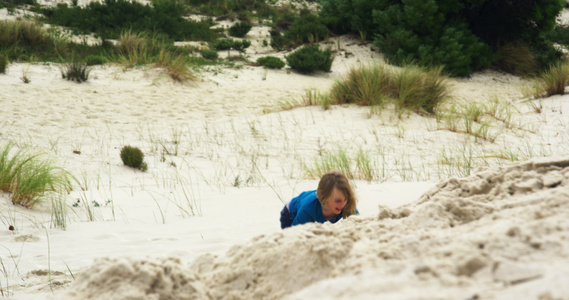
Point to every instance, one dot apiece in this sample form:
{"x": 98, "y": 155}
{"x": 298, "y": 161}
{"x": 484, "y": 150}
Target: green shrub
{"x": 92, "y": 60}
{"x": 240, "y": 29}
{"x": 133, "y": 157}
{"x": 271, "y": 62}
{"x": 209, "y": 54}
{"x": 310, "y": 58}
{"x": 3, "y": 63}
{"x": 75, "y": 71}
{"x": 306, "y": 29}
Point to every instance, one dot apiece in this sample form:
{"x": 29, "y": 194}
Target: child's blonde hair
{"x": 332, "y": 180}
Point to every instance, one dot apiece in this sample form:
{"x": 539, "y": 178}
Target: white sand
{"x": 202, "y": 223}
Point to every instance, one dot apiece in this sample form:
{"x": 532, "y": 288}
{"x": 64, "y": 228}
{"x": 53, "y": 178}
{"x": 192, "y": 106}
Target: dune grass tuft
{"x": 555, "y": 79}
{"x": 140, "y": 48}
{"x": 412, "y": 87}
{"x": 368, "y": 85}
{"x": 30, "y": 179}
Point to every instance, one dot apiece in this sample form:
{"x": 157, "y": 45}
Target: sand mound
{"x": 498, "y": 234}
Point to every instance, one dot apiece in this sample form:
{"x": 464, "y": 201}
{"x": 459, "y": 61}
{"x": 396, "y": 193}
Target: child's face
{"x": 336, "y": 201}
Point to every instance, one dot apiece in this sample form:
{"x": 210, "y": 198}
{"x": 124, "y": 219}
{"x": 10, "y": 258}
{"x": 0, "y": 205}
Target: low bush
{"x": 3, "y": 63}
{"x": 209, "y": 54}
{"x": 75, "y": 71}
{"x": 240, "y": 29}
{"x": 309, "y": 59}
{"x": 93, "y": 60}
{"x": 271, "y": 62}
{"x": 133, "y": 157}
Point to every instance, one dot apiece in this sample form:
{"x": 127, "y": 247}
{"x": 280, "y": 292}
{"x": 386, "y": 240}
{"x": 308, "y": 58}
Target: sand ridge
{"x": 489, "y": 235}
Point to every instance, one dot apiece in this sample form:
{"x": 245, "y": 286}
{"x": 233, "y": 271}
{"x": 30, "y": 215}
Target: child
{"x": 334, "y": 199}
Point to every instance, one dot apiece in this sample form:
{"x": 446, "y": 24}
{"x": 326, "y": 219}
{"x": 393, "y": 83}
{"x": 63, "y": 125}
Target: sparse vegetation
{"x": 75, "y": 71}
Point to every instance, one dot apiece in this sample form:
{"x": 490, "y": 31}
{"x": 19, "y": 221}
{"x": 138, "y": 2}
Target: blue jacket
{"x": 306, "y": 208}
